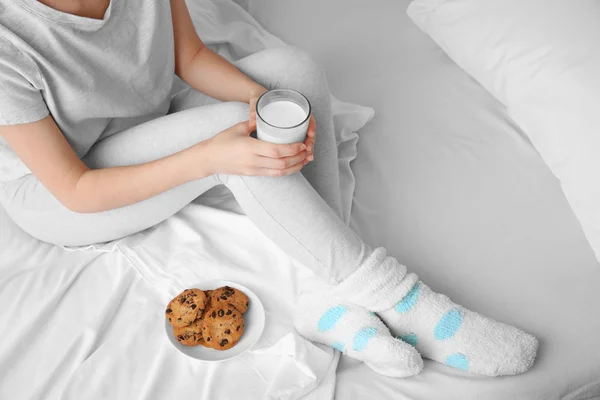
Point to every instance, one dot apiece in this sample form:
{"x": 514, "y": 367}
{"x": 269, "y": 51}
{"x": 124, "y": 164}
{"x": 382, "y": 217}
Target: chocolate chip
{"x": 180, "y": 337}
{"x": 208, "y": 339}
{"x": 224, "y": 342}
{"x": 238, "y": 328}
{"x": 194, "y": 306}
{"x": 228, "y": 331}
{"x": 169, "y": 319}
{"x": 181, "y": 300}
{"x": 169, "y": 311}
{"x": 214, "y": 314}
{"x": 179, "y": 319}
{"x": 246, "y": 304}
{"x": 234, "y": 315}
{"x": 223, "y": 297}
{"x": 221, "y": 313}
{"x": 228, "y": 312}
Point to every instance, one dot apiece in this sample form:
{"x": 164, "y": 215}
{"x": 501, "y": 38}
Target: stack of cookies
{"x": 211, "y": 318}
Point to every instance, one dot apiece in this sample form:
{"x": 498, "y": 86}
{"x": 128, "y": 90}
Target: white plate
{"x": 254, "y": 321}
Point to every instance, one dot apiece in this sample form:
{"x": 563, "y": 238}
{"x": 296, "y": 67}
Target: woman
{"x": 94, "y": 148}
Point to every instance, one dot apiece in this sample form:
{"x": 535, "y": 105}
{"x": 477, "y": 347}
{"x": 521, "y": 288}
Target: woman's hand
{"x": 309, "y": 142}
{"x": 234, "y": 152}
{"x": 310, "y": 138}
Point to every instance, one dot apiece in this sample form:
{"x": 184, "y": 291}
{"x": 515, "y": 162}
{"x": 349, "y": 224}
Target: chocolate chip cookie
{"x": 227, "y": 295}
{"x": 223, "y": 327}
{"x": 186, "y": 307}
{"x": 190, "y": 335}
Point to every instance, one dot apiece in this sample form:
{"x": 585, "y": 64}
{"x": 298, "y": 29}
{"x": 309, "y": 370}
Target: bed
{"x": 442, "y": 177}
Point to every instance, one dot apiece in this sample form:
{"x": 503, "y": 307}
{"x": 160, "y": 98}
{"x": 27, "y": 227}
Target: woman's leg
{"x": 295, "y": 217}
{"x": 37, "y": 212}
{"x": 290, "y": 68}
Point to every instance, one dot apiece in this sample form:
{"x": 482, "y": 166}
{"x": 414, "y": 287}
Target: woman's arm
{"x": 203, "y": 69}
{"x": 45, "y": 151}
{"x": 43, "y": 148}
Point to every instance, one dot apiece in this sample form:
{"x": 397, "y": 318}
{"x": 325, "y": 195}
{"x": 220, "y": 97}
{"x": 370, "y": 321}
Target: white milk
{"x": 283, "y": 114}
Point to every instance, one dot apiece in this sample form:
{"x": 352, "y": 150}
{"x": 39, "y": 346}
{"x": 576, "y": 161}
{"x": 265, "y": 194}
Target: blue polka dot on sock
{"x": 448, "y": 325}
{"x": 339, "y": 346}
{"x": 362, "y": 338}
{"x": 409, "y": 300}
{"x": 409, "y": 338}
{"x": 331, "y": 317}
{"x": 458, "y": 361}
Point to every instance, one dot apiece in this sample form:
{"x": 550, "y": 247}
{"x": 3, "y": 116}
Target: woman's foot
{"x": 448, "y": 333}
{"x": 357, "y": 333}
{"x": 440, "y": 329}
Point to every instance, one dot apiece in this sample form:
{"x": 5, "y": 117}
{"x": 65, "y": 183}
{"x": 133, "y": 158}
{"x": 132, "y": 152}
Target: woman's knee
{"x": 288, "y": 67}
{"x": 217, "y": 117}
{"x": 237, "y": 111}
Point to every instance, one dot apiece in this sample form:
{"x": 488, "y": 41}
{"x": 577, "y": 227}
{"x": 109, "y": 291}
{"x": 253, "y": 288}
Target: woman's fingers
{"x": 242, "y": 128}
{"x": 281, "y": 163}
{"x": 252, "y": 119}
{"x": 252, "y": 125}
{"x": 253, "y": 108}
{"x": 283, "y": 172}
{"x": 271, "y": 150}
{"x": 276, "y": 171}
{"x": 310, "y": 147}
{"x": 312, "y": 127}
{"x": 310, "y": 138}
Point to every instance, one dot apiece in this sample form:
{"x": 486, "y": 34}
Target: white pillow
{"x": 541, "y": 59}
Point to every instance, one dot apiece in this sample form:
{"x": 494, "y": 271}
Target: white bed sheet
{"x": 451, "y": 187}
{"x": 88, "y": 323}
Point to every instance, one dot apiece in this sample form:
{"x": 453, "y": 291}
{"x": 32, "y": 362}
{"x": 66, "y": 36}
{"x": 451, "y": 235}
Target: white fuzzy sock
{"x": 356, "y": 332}
{"x": 439, "y": 329}
{"x": 448, "y": 333}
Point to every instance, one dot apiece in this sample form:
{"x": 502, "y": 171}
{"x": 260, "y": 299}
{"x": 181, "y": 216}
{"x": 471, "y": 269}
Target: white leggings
{"x": 296, "y": 212}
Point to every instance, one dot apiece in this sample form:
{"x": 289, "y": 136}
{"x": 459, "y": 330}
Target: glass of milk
{"x": 282, "y": 116}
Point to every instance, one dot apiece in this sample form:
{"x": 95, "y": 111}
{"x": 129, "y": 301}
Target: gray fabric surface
{"x": 451, "y": 187}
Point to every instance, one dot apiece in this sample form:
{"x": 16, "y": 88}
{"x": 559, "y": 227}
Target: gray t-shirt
{"x": 95, "y": 77}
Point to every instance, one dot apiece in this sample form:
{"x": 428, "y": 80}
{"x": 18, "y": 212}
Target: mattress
{"x": 449, "y": 185}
